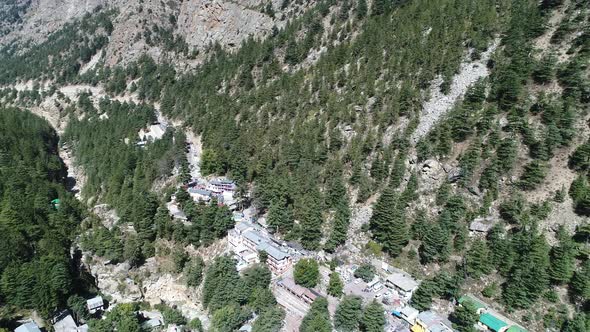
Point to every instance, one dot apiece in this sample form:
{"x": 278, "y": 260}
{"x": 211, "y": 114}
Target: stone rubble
{"x": 439, "y": 103}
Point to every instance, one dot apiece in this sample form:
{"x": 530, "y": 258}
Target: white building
{"x": 95, "y": 304}
{"x": 247, "y": 241}
{"x": 28, "y": 327}
{"x": 67, "y": 324}
{"x": 200, "y": 195}
{"x": 403, "y": 284}
{"x": 409, "y": 314}
{"x": 220, "y": 185}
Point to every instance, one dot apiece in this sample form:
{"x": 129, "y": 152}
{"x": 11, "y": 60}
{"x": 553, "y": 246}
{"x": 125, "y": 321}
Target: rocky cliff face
{"x": 145, "y": 26}
{"x": 42, "y": 17}
{"x": 207, "y": 21}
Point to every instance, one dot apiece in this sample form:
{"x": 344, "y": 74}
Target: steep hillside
{"x": 448, "y": 138}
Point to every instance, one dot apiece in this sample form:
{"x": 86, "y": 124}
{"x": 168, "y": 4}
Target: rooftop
{"x": 434, "y": 322}
{"x": 272, "y": 250}
{"x": 95, "y": 302}
{"x": 491, "y": 321}
{"x": 198, "y": 191}
{"x": 254, "y": 237}
{"x": 222, "y": 181}
{"x": 409, "y": 312}
{"x": 298, "y": 290}
{"x": 404, "y": 282}
{"x": 66, "y": 324}
{"x": 28, "y": 327}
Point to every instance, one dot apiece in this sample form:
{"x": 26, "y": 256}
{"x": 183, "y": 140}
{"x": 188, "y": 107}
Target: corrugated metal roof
{"x": 491, "y": 321}
{"x": 95, "y": 302}
{"x": 272, "y": 251}
{"x": 254, "y": 237}
{"x": 28, "y": 327}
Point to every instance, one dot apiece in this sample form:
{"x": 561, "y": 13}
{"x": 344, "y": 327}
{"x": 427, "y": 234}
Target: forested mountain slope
{"x": 327, "y": 112}
{"x": 39, "y": 219}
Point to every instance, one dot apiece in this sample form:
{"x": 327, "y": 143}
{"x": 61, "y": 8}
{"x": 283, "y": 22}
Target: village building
{"x": 95, "y": 304}
{"x": 407, "y": 313}
{"x": 429, "y": 321}
{"x": 492, "y": 323}
{"x": 28, "y": 327}
{"x": 67, "y": 324}
{"x": 200, "y": 195}
{"x": 246, "y": 242}
{"x": 305, "y": 294}
{"x": 220, "y": 185}
{"x": 403, "y": 284}
{"x": 277, "y": 260}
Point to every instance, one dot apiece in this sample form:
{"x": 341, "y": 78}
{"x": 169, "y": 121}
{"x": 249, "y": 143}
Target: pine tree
{"x": 436, "y": 244}
{"x": 194, "y": 272}
{"x": 311, "y": 223}
{"x": 422, "y": 297}
{"x": 317, "y": 318}
{"x": 580, "y": 159}
{"x": 398, "y": 171}
{"x": 278, "y": 218}
{"x": 388, "y": 223}
{"x": 373, "y": 319}
{"x": 578, "y": 323}
{"x": 545, "y": 71}
{"x": 306, "y": 273}
{"x": 361, "y": 9}
{"x": 339, "y": 228}
{"x": 335, "y": 285}
{"x": 580, "y": 283}
{"x": 533, "y": 175}
{"x": 528, "y": 278}
{"x": 562, "y": 260}
{"x": 465, "y": 317}
{"x": 348, "y": 314}
{"x": 477, "y": 260}
{"x": 269, "y": 321}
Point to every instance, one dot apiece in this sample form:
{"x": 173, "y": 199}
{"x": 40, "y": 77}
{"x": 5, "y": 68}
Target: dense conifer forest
{"x": 39, "y": 219}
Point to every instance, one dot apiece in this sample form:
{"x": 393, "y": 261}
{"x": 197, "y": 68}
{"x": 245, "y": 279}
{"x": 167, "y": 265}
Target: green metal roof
{"x": 516, "y": 328}
{"x": 492, "y": 321}
{"x": 476, "y": 303}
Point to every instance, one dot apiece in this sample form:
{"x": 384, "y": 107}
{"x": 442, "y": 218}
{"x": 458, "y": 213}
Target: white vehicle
{"x": 357, "y": 281}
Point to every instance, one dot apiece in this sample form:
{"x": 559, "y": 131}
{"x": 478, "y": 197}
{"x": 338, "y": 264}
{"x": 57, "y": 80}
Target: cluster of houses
{"x": 247, "y": 240}
{"x": 426, "y": 321}
{"x": 489, "y": 319}
{"x": 64, "y": 322}
{"x": 221, "y": 189}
